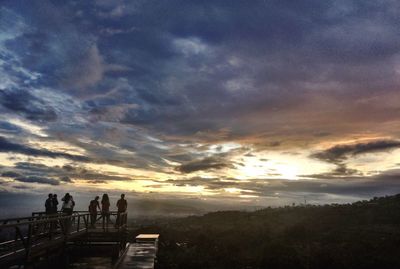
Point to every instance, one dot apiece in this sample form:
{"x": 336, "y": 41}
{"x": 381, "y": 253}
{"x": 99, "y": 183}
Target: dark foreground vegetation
{"x": 360, "y": 235}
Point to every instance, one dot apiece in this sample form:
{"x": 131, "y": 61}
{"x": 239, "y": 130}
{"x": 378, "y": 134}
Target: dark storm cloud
{"x": 277, "y": 32}
{"x": 10, "y": 174}
{"x": 21, "y": 187}
{"x": 339, "y": 153}
{"x": 66, "y": 173}
{"x": 66, "y": 179}
{"x": 197, "y": 160}
{"x": 21, "y": 101}
{"x": 203, "y": 164}
{"x": 40, "y": 180}
{"x": 386, "y": 182}
{"x": 36, "y": 175}
{"x": 6, "y": 127}
{"x": 68, "y": 167}
{"x": 96, "y": 181}
{"x": 381, "y": 184}
{"x": 35, "y": 167}
{"x": 55, "y": 46}
{"x": 98, "y": 176}
{"x": 7, "y": 146}
{"x": 192, "y": 68}
{"x": 208, "y": 183}
{"x": 341, "y": 171}
{"x": 35, "y": 179}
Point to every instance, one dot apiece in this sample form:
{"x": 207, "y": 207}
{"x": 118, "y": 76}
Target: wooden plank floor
{"x": 139, "y": 256}
{"x": 142, "y": 254}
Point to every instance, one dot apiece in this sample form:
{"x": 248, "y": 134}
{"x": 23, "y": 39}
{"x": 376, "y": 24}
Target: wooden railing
{"x": 114, "y": 219}
{"x": 23, "y": 238}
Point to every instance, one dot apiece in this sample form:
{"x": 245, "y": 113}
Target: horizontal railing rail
{"x": 119, "y": 221}
{"x": 20, "y": 237}
{"x": 32, "y": 220}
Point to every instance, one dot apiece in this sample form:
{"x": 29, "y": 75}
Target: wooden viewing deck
{"x": 30, "y": 240}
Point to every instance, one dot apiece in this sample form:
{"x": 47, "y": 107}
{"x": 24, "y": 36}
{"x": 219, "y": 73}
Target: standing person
{"x": 105, "y": 209}
{"x": 68, "y": 204}
{"x": 49, "y": 204}
{"x": 122, "y": 205}
{"x": 94, "y": 204}
{"x": 73, "y": 203}
{"x": 54, "y": 208}
{"x": 66, "y": 208}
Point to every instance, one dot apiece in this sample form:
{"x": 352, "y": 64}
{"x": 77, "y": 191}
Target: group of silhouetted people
{"x": 105, "y": 209}
{"x": 51, "y": 206}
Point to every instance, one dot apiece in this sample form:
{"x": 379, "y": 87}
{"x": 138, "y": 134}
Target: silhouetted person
{"x": 94, "y": 204}
{"x": 68, "y": 204}
{"x": 54, "y": 207}
{"x": 105, "y": 209}
{"x": 122, "y": 205}
{"x": 49, "y": 204}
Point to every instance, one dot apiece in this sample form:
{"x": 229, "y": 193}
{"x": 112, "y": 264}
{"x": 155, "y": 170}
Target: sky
{"x": 255, "y": 102}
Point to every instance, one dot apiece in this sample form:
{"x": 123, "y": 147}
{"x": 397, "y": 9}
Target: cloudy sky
{"x": 264, "y": 101}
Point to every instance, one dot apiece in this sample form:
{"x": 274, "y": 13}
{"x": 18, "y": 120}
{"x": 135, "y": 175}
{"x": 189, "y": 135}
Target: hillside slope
{"x": 365, "y": 234}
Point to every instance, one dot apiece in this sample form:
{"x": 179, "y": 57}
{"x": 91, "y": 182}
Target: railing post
{"x": 68, "y": 227}
{"x": 86, "y": 221}
{"x": 52, "y": 224}
{"x": 79, "y": 222}
{"x": 102, "y": 221}
{"x": 28, "y": 243}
